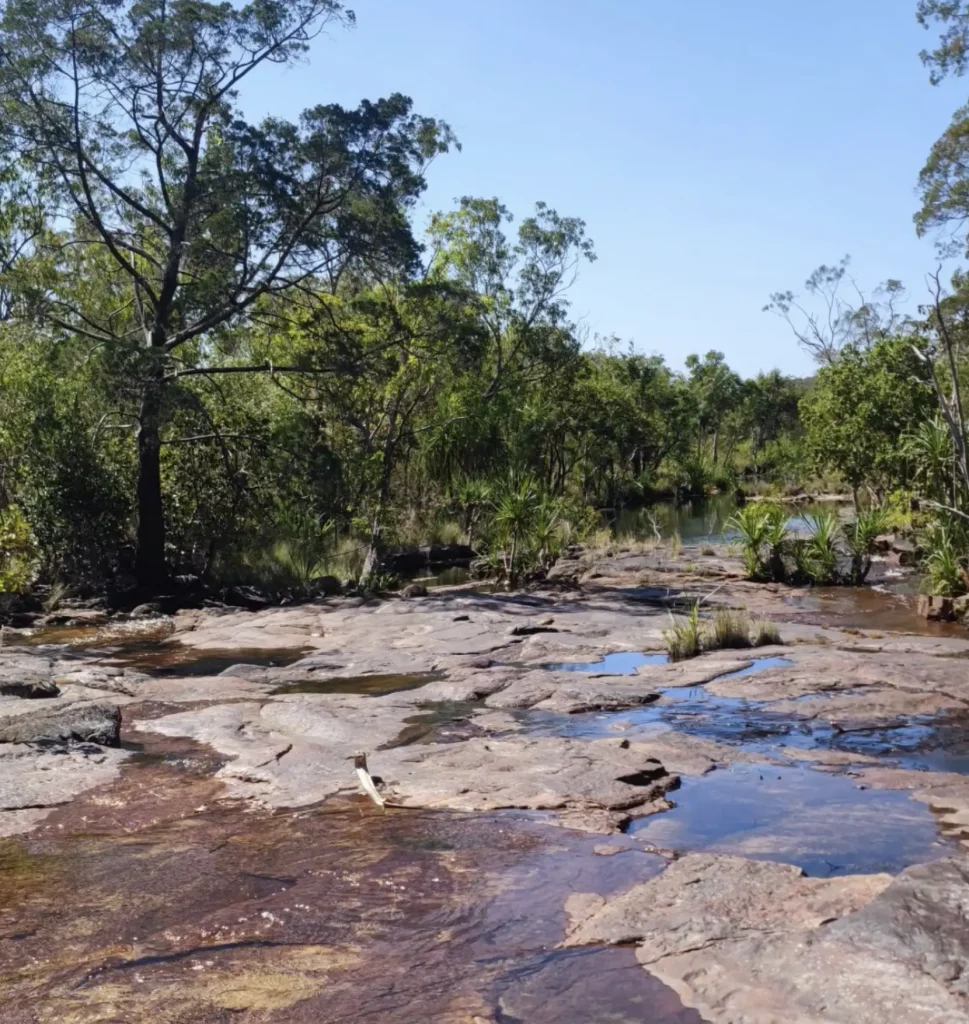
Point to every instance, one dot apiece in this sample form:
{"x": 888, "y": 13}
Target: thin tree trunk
{"x": 150, "y": 569}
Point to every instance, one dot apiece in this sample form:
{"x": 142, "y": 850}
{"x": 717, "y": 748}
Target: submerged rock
{"x": 80, "y": 722}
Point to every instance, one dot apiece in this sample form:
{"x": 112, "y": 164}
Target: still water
{"x": 697, "y": 522}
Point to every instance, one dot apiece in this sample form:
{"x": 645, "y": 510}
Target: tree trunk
{"x": 150, "y": 569}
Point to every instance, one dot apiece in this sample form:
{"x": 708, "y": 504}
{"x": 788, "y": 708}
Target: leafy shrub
{"x": 18, "y": 552}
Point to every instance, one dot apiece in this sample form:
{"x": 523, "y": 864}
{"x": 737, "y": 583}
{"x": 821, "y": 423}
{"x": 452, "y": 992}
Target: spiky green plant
{"x": 930, "y": 450}
{"x": 778, "y": 541}
{"x": 515, "y": 512}
{"x": 753, "y": 525}
{"x": 860, "y": 537}
{"x": 945, "y": 570}
{"x": 546, "y": 531}
{"x": 816, "y": 557}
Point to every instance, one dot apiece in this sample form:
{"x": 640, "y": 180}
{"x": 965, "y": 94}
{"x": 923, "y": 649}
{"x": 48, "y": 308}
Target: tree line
{"x": 225, "y": 341}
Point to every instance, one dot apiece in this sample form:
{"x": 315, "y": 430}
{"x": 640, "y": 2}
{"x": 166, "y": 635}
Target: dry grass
{"x": 685, "y": 637}
{"x": 766, "y": 634}
{"x": 731, "y": 630}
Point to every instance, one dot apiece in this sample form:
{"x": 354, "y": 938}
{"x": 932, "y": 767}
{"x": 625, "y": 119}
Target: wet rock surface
{"x": 742, "y": 941}
{"x": 221, "y": 864}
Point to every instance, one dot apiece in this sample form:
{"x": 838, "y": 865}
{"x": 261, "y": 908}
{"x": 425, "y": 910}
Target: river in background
{"x": 702, "y": 522}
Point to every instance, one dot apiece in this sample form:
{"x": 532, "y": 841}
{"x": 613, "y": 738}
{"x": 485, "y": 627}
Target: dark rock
{"x": 936, "y": 609}
{"x": 76, "y": 617}
{"x": 149, "y": 610}
{"x": 462, "y": 618}
{"x": 442, "y": 555}
{"x": 24, "y": 620}
{"x": 81, "y": 722}
{"x": 408, "y": 561}
{"x": 326, "y": 586}
{"x": 30, "y": 689}
{"x": 906, "y": 552}
{"x": 246, "y": 597}
{"x": 415, "y": 590}
{"x": 405, "y": 562}
{"x": 883, "y": 544}
{"x": 566, "y": 571}
{"x": 532, "y": 630}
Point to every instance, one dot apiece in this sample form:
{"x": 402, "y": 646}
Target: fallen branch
{"x": 360, "y": 764}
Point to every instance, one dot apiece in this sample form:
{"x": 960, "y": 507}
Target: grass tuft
{"x": 684, "y": 638}
{"x": 731, "y": 630}
{"x": 766, "y": 634}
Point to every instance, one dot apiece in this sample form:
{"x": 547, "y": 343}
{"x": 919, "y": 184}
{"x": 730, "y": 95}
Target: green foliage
{"x": 930, "y": 450}
{"x": 860, "y": 537}
{"x": 17, "y": 551}
{"x": 944, "y": 563}
{"x": 859, "y": 409}
{"x": 816, "y": 558}
{"x": 764, "y": 539}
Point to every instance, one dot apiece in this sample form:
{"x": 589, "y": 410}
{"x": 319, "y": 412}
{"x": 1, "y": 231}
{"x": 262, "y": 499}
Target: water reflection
{"x": 822, "y": 823}
{"x": 696, "y": 522}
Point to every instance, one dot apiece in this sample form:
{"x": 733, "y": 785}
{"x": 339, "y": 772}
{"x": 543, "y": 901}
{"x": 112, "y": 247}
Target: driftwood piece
{"x": 360, "y": 764}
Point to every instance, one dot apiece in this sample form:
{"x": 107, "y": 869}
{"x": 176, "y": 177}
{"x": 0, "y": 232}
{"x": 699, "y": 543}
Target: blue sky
{"x": 718, "y": 152}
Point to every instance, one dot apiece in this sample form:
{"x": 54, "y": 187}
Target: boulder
{"x": 80, "y": 722}
{"x": 76, "y": 617}
{"x": 442, "y": 555}
{"x": 250, "y": 598}
{"x": 906, "y": 552}
{"x": 936, "y": 609}
{"x": 149, "y": 610}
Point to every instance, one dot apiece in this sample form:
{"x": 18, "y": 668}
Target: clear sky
{"x": 717, "y": 151}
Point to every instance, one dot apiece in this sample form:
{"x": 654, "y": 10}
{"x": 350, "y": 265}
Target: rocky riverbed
{"x": 573, "y": 827}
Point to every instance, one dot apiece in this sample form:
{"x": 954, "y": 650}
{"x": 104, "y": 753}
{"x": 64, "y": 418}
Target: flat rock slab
{"x": 601, "y": 784}
{"x": 33, "y": 781}
{"x": 299, "y": 750}
{"x": 28, "y": 675}
{"x": 748, "y": 942}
